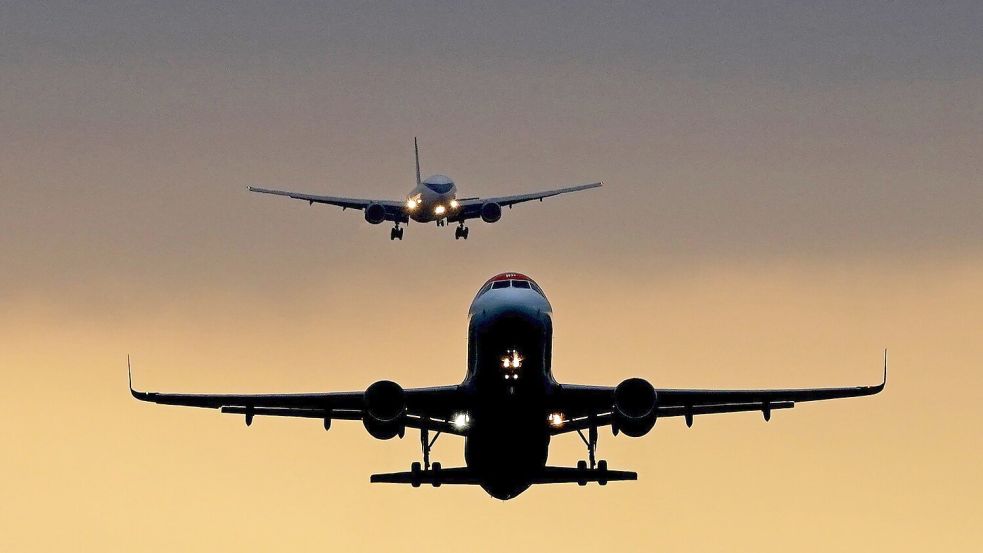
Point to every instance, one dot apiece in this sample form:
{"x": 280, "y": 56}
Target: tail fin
{"x": 416, "y": 151}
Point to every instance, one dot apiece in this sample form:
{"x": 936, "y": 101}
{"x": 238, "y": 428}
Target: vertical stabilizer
{"x": 416, "y": 151}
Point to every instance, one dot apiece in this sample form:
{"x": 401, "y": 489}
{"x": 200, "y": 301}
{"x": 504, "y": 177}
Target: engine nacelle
{"x": 491, "y": 212}
{"x": 635, "y": 402}
{"x": 375, "y": 213}
{"x": 385, "y": 410}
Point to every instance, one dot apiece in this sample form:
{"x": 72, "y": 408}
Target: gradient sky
{"x": 789, "y": 189}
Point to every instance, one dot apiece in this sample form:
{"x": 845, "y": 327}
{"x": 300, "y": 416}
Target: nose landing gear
{"x": 396, "y": 232}
{"x": 461, "y": 232}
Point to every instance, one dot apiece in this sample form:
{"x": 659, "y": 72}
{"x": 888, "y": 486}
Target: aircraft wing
{"x": 394, "y": 209}
{"x": 431, "y": 408}
{"x": 580, "y": 404}
{"x": 471, "y": 208}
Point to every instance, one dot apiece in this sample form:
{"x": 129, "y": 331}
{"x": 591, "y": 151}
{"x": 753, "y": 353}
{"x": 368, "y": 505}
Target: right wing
{"x": 586, "y": 405}
{"x": 432, "y": 408}
{"x": 394, "y": 209}
{"x": 470, "y": 208}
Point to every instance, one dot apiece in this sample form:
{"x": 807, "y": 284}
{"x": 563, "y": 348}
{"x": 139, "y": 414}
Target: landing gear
{"x": 416, "y": 470}
{"x": 441, "y": 222}
{"x": 396, "y": 232}
{"x": 591, "y": 442}
{"x": 461, "y": 232}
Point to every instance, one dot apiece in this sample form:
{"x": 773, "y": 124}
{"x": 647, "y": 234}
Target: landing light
{"x": 555, "y": 420}
{"x": 512, "y": 360}
{"x": 461, "y": 421}
{"x": 454, "y": 204}
{"x": 439, "y": 210}
{"x": 411, "y": 204}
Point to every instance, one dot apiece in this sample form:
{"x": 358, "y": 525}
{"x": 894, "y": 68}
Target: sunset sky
{"x": 788, "y": 191}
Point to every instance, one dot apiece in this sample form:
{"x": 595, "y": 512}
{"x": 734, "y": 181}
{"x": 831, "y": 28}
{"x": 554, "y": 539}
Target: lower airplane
{"x": 509, "y": 405}
{"x": 433, "y": 200}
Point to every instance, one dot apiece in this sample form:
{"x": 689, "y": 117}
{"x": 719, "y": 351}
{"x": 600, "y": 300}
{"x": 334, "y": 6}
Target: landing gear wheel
{"x": 436, "y": 474}
{"x": 415, "y": 475}
{"x": 582, "y": 468}
{"x": 392, "y": 234}
{"x": 400, "y": 234}
{"x": 466, "y": 232}
{"x": 602, "y": 469}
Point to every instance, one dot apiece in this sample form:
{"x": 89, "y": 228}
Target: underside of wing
{"x": 519, "y": 198}
{"x": 430, "y": 408}
{"x": 583, "y": 407}
{"x": 470, "y": 208}
{"x": 392, "y": 210}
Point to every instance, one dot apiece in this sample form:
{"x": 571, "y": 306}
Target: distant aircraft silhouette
{"x": 509, "y": 405}
{"x": 433, "y": 200}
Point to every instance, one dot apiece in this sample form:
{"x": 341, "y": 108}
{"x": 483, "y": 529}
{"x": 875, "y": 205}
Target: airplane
{"x": 433, "y": 200}
{"x": 509, "y": 405}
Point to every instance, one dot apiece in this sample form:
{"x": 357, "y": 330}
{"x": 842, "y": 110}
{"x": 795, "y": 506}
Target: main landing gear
{"x": 415, "y": 470}
{"x": 600, "y": 466}
{"x": 396, "y": 232}
{"x": 461, "y": 232}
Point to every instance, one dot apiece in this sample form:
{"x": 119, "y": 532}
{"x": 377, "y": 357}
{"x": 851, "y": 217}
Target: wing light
{"x": 461, "y": 421}
{"x": 555, "y": 419}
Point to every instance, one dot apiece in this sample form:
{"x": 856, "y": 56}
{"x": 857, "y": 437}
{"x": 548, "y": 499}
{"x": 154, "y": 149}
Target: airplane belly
{"x": 506, "y": 445}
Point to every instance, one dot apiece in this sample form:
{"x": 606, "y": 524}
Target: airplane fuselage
{"x": 509, "y": 379}
{"x": 434, "y": 199}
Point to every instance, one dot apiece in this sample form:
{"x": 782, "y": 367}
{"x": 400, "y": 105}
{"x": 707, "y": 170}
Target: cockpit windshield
{"x": 440, "y": 187}
{"x": 511, "y": 283}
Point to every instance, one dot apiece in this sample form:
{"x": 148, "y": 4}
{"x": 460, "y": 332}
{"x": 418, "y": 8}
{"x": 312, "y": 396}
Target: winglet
{"x": 884, "y": 379}
{"x": 416, "y": 152}
{"x": 142, "y": 396}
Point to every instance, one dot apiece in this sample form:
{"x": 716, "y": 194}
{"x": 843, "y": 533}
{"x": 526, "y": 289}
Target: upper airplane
{"x": 434, "y": 199}
{"x": 509, "y": 405}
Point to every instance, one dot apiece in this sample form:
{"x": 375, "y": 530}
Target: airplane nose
{"x": 511, "y": 320}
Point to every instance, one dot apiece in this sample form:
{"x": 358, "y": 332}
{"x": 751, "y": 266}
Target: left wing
{"x": 580, "y": 404}
{"x": 432, "y": 408}
{"x": 393, "y": 209}
{"x": 471, "y": 208}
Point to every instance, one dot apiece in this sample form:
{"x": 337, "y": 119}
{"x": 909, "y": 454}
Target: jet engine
{"x": 491, "y": 212}
{"x": 385, "y": 410}
{"x": 635, "y": 402}
{"x": 375, "y": 213}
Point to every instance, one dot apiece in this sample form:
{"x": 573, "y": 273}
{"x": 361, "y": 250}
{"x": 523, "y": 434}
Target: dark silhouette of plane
{"x": 509, "y": 405}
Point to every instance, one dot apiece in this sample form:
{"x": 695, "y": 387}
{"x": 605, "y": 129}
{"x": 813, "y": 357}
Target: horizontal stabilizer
{"x": 570, "y": 475}
{"x": 433, "y": 477}
{"x": 465, "y": 476}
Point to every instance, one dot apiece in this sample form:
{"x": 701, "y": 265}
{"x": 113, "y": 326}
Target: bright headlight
{"x": 460, "y": 421}
{"x": 439, "y": 210}
{"x": 410, "y": 204}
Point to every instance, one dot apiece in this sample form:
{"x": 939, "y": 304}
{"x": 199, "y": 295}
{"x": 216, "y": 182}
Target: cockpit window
{"x": 440, "y": 187}
{"x": 500, "y": 284}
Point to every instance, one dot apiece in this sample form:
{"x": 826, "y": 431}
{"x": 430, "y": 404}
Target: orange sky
{"x": 785, "y": 196}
